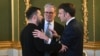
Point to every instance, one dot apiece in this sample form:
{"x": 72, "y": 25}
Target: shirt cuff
{"x": 49, "y": 41}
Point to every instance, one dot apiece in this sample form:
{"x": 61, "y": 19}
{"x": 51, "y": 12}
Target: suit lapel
{"x": 55, "y": 26}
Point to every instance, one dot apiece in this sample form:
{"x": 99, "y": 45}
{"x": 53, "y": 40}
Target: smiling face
{"x": 49, "y": 13}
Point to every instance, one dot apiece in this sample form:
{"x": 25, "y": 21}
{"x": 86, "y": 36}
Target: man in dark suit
{"x": 49, "y": 17}
{"x": 34, "y": 46}
{"x": 72, "y": 36}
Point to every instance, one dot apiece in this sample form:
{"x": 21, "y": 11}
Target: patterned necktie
{"x": 48, "y": 31}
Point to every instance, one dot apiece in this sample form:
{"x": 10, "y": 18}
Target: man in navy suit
{"x": 72, "y": 36}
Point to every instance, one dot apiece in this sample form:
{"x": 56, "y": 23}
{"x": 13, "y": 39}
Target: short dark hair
{"x": 31, "y": 11}
{"x": 68, "y": 7}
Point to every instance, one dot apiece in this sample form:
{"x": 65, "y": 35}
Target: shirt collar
{"x": 69, "y": 20}
{"x": 46, "y": 22}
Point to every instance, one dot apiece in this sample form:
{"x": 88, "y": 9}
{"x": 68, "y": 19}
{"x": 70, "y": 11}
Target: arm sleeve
{"x": 68, "y": 36}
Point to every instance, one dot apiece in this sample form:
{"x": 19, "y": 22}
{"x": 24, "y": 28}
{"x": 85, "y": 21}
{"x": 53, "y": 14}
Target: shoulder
{"x": 58, "y": 24}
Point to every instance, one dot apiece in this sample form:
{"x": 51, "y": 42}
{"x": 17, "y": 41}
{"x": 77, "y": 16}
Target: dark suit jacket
{"x": 34, "y": 46}
{"x": 58, "y": 28}
{"x": 73, "y": 38}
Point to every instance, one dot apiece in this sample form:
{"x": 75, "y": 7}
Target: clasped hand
{"x": 41, "y": 35}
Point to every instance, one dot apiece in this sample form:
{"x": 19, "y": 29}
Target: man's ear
{"x": 66, "y": 14}
{"x": 34, "y": 17}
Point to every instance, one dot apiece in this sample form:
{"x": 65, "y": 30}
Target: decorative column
{"x": 27, "y": 4}
{"x": 92, "y": 47}
{"x": 85, "y": 20}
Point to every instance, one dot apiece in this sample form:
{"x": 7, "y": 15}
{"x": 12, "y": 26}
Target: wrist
{"x": 46, "y": 38}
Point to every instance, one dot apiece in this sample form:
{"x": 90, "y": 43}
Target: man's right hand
{"x": 54, "y": 33}
{"x": 64, "y": 48}
{"x": 39, "y": 34}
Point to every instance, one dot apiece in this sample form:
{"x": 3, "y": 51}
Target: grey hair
{"x": 50, "y": 5}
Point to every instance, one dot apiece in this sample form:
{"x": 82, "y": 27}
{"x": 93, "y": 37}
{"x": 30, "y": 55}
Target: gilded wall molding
{"x": 27, "y": 5}
{"x": 85, "y": 20}
{"x": 9, "y": 44}
{"x": 89, "y": 44}
{"x": 16, "y": 45}
{"x": 92, "y": 45}
{"x": 15, "y": 19}
{"x": 94, "y": 21}
{"x": 5, "y": 44}
{"x": 12, "y": 17}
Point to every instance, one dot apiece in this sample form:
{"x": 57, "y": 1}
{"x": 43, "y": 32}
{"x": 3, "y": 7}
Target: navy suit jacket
{"x": 72, "y": 37}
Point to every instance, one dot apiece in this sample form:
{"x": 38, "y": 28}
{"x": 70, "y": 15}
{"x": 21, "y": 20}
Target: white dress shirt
{"x": 51, "y": 26}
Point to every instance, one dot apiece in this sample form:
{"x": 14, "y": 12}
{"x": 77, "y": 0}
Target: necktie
{"x": 48, "y": 31}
